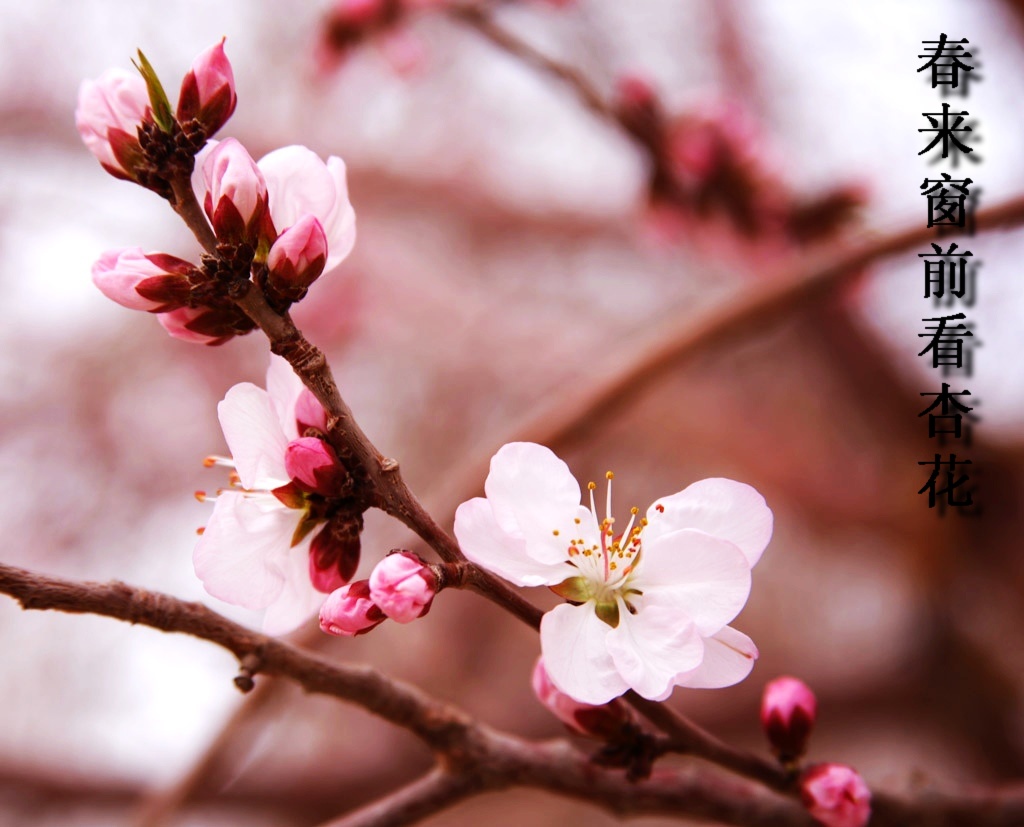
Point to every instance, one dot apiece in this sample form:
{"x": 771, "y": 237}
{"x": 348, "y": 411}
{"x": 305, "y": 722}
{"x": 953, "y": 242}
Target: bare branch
{"x": 434, "y": 792}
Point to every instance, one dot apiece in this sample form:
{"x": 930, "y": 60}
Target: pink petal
{"x": 729, "y": 656}
{"x": 254, "y": 435}
{"x": 534, "y": 495}
{"x": 652, "y": 647}
{"x": 488, "y": 545}
{"x": 695, "y": 574}
{"x": 284, "y": 388}
{"x": 574, "y": 642}
{"x": 722, "y": 508}
{"x": 240, "y": 557}
{"x": 300, "y": 183}
{"x": 298, "y": 600}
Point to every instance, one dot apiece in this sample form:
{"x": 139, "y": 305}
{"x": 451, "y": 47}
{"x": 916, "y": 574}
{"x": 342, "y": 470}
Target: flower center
{"x": 605, "y": 559}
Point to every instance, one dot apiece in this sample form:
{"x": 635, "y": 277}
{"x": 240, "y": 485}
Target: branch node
{"x": 249, "y": 665}
{"x": 389, "y": 465}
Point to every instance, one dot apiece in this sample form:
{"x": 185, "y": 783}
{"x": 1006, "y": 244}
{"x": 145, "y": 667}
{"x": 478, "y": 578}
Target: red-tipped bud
{"x": 606, "y": 721}
{"x": 349, "y": 611}
{"x": 108, "y": 116}
{"x": 312, "y": 464}
{"x": 334, "y": 554}
{"x": 208, "y": 91}
{"x": 403, "y": 586}
{"x": 309, "y": 413}
{"x": 298, "y": 256}
{"x": 205, "y": 326}
{"x": 788, "y": 711}
{"x": 836, "y": 795}
{"x": 236, "y": 192}
{"x": 155, "y": 282}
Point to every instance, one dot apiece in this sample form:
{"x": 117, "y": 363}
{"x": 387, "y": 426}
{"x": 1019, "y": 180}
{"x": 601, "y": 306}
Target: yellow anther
{"x": 609, "y": 475}
{"x": 634, "y": 510}
{"x": 576, "y": 520}
{"x": 555, "y": 532}
{"x": 591, "y": 485}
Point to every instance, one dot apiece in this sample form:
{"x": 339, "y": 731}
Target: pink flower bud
{"x": 348, "y": 611}
{"x": 836, "y": 795}
{"x": 403, "y": 586}
{"x": 605, "y": 721}
{"x": 298, "y": 256}
{"x": 156, "y": 282}
{"x": 203, "y": 325}
{"x": 312, "y": 464}
{"x": 334, "y": 553}
{"x": 208, "y": 91}
{"x": 236, "y": 192}
{"x": 109, "y": 112}
{"x": 788, "y": 710}
{"x": 309, "y": 413}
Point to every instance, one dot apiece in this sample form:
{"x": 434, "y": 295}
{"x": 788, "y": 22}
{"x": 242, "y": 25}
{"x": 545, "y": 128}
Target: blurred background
{"x": 515, "y": 249}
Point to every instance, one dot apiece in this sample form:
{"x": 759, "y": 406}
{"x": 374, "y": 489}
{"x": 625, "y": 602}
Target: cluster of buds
{"x": 707, "y": 169}
{"x": 278, "y": 224}
{"x": 400, "y": 587}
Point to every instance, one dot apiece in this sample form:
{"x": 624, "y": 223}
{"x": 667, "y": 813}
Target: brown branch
{"x": 434, "y": 792}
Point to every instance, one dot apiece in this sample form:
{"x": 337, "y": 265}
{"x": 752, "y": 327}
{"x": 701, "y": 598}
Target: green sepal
{"x": 574, "y": 589}
{"x": 157, "y": 96}
{"x": 608, "y": 612}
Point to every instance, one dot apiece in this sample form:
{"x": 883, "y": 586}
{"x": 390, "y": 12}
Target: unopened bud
{"x": 788, "y": 711}
{"x": 312, "y": 464}
{"x": 349, "y": 611}
{"x": 297, "y": 258}
{"x": 403, "y": 586}
{"x": 108, "y": 116}
{"x": 236, "y": 192}
{"x": 836, "y": 795}
{"x": 153, "y": 282}
{"x": 208, "y": 91}
{"x": 606, "y": 721}
{"x": 205, "y": 326}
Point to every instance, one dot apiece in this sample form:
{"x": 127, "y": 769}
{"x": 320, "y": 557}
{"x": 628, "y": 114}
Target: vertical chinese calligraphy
{"x": 950, "y": 279}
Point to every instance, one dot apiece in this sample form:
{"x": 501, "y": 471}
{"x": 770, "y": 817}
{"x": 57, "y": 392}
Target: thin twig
{"x": 434, "y": 792}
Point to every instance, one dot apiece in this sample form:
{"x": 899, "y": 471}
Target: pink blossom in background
{"x": 350, "y": 611}
{"x": 109, "y": 112}
{"x": 647, "y": 622}
{"x": 208, "y": 90}
{"x": 402, "y": 586}
{"x": 252, "y": 552}
{"x": 788, "y": 712}
{"x": 836, "y": 795}
{"x": 139, "y": 281}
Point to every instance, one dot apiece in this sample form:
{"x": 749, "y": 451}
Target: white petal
{"x": 253, "y": 433}
{"x": 298, "y": 600}
{"x": 728, "y": 658}
{"x": 299, "y": 183}
{"x": 695, "y": 574}
{"x": 653, "y": 646}
{"x": 722, "y": 508}
{"x": 574, "y": 644}
{"x": 284, "y": 388}
{"x": 534, "y": 495}
{"x": 488, "y": 545}
{"x": 241, "y": 556}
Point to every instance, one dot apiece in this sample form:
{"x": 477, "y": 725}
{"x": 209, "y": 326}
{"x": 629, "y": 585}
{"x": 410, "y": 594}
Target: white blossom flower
{"x": 649, "y": 605}
{"x": 252, "y": 552}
